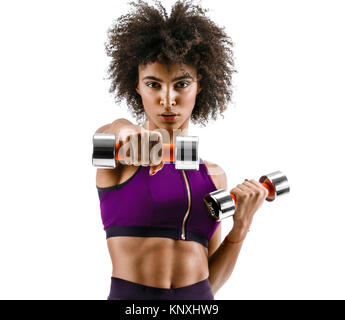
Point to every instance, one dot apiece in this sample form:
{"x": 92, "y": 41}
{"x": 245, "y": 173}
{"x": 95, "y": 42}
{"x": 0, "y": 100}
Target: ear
{"x": 137, "y": 90}
{"x": 199, "y": 89}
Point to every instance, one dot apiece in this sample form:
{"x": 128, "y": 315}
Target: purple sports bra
{"x": 168, "y": 204}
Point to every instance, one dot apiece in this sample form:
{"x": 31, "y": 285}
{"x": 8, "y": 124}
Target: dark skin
{"x": 165, "y": 262}
{"x": 157, "y": 262}
{"x": 166, "y": 94}
{"x": 160, "y": 262}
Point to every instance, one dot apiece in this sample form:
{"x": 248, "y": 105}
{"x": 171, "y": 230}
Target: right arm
{"x": 128, "y": 131}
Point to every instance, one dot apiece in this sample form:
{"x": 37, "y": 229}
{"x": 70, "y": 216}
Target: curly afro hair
{"x": 147, "y": 35}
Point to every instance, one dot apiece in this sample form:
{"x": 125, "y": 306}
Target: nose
{"x": 170, "y": 104}
{"x": 167, "y": 99}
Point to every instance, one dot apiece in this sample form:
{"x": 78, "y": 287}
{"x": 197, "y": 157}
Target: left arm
{"x": 222, "y": 257}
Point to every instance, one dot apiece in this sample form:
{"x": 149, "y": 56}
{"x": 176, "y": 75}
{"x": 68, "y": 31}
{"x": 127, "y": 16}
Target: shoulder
{"x": 217, "y": 175}
{"x": 110, "y": 177}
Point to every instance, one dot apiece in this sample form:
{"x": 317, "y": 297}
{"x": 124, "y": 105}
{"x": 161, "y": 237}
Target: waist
{"x": 158, "y": 262}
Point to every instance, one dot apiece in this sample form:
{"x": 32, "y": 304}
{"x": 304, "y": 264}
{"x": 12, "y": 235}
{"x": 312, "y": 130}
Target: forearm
{"x": 222, "y": 262}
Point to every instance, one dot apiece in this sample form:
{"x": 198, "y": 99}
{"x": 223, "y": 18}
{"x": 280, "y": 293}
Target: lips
{"x": 168, "y": 117}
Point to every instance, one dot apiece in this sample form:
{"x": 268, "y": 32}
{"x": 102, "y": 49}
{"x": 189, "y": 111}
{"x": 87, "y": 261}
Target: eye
{"x": 183, "y": 82}
{"x": 153, "y": 84}
{"x": 149, "y": 84}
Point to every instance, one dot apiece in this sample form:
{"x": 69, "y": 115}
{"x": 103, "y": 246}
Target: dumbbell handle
{"x": 267, "y": 184}
{"x": 168, "y": 152}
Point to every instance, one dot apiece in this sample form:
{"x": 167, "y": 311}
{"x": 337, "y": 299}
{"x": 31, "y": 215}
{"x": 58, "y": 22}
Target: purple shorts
{"x": 126, "y": 290}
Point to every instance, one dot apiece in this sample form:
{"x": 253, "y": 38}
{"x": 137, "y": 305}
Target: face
{"x": 168, "y": 90}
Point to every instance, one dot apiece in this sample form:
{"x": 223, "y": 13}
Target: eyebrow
{"x": 176, "y": 79}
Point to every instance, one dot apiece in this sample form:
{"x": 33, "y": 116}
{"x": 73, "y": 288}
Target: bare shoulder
{"x": 217, "y": 175}
{"x": 111, "y": 177}
{"x": 106, "y": 177}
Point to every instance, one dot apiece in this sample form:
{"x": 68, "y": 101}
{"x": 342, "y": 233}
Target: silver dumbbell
{"x": 220, "y": 204}
{"x": 184, "y": 153}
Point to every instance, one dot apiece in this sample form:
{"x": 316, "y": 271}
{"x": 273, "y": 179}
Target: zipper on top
{"x": 183, "y": 234}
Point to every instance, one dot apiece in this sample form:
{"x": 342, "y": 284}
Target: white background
{"x": 288, "y": 115}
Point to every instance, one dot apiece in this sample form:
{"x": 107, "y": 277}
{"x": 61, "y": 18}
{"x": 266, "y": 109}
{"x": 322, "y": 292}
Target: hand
{"x": 250, "y": 195}
{"x": 138, "y": 145}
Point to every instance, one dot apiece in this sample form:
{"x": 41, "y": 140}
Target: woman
{"x": 162, "y": 243}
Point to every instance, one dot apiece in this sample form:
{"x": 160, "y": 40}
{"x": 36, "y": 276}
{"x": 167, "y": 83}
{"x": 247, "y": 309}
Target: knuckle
{"x": 154, "y": 136}
{"x": 124, "y": 137}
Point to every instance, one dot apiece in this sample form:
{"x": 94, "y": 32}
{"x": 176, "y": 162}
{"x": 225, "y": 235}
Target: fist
{"x": 250, "y": 196}
{"x": 138, "y": 144}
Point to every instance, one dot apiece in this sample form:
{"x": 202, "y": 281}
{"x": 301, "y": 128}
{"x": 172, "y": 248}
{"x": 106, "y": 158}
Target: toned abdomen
{"x": 158, "y": 262}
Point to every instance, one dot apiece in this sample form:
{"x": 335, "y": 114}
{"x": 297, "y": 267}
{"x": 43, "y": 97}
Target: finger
{"x": 125, "y": 152}
{"x": 145, "y": 148}
{"x": 259, "y": 187}
{"x": 134, "y": 148}
{"x": 244, "y": 188}
{"x": 155, "y": 149}
{"x": 237, "y": 192}
{"x": 251, "y": 186}
{"x": 155, "y": 169}
{"x": 239, "y": 196}
{"x": 253, "y": 182}
{"x": 250, "y": 190}
{"x": 124, "y": 134}
{"x": 156, "y": 139}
